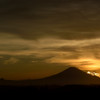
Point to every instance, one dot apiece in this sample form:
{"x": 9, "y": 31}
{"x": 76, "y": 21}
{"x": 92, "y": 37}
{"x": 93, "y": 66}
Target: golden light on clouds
{"x": 81, "y": 63}
{"x": 89, "y": 64}
{"x": 53, "y": 50}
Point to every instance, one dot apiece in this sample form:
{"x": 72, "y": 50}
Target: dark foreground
{"x": 51, "y": 91}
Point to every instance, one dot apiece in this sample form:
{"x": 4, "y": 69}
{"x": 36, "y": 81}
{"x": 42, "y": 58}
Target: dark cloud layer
{"x": 69, "y": 19}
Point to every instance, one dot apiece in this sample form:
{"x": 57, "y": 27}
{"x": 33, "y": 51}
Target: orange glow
{"x": 81, "y": 63}
{"x": 93, "y": 73}
{"x": 85, "y": 63}
{"x": 90, "y": 64}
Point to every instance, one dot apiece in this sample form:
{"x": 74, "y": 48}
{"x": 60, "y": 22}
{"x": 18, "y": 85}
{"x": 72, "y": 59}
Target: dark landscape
{"x": 65, "y": 83}
{"x": 50, "y": 48}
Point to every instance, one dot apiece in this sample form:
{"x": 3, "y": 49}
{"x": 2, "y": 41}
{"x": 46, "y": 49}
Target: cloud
{"x": 49, "y": 50}
{"x": 11, "y": 61}
{"x": 34, "y": 61}
{"x": 36, "y": 19}
{"x": 1, "y": 57}
{"x": 14, "y": 45}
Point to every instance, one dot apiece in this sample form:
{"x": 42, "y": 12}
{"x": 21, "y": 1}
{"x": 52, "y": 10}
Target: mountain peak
{"x": 72, "y": 72}
{"x": 72, "y": 75}
{"x": 72, "y": 69}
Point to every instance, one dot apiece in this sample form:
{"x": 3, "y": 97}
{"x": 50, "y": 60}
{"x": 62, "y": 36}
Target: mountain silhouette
{"x": 71, "y": 76}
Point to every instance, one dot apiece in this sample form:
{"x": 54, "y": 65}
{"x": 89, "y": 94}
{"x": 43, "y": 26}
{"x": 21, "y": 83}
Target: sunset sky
{"x": 39, "y": 38}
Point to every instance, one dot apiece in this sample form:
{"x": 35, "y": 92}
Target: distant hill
{"x": 71, "y": 76}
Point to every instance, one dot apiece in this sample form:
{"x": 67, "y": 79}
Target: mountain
{"x": 71, "y": 76}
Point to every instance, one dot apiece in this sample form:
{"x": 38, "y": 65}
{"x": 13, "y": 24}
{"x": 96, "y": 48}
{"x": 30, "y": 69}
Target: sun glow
{"x": 87, "y": 64}
{"x": 93, "y": 73}
{"x": 90, "y": 64}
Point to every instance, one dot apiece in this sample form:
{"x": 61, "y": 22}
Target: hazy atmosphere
{"x": 39, "y": 38}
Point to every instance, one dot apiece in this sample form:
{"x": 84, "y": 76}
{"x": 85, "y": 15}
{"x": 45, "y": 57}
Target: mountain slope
{"x": 71, "y": 76}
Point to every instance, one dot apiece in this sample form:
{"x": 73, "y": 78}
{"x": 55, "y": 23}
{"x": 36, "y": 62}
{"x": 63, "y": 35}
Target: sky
{"x": 39, "y": 38}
